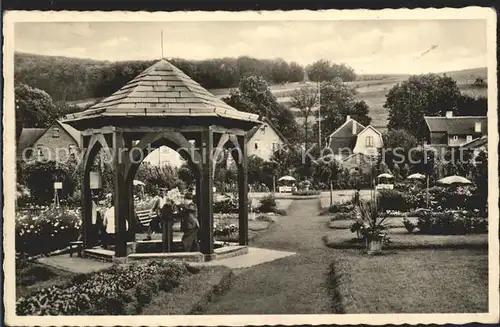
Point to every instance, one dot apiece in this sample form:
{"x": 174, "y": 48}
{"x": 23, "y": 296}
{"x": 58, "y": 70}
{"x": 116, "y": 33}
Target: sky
{"x": 369, "y": 46}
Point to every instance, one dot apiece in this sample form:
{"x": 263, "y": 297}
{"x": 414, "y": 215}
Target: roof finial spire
{"x": 161, "y": 45}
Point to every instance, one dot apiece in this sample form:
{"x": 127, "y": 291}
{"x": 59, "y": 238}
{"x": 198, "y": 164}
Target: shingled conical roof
{"x": 162, "y": 90}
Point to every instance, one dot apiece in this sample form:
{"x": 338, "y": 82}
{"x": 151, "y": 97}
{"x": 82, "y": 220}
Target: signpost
{"x": 57, "y": 186}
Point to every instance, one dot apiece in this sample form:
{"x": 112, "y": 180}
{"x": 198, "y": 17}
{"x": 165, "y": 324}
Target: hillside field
{"x": 373, "y": 90}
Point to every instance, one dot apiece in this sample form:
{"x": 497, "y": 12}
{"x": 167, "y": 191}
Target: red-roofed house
{"x": 455, "y": 131}
{"x": 58, "y": 141}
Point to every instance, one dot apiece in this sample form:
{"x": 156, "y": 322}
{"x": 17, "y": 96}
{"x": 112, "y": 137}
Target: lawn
{"x": 401, "y": 239}
{"x": 418, "y": 281}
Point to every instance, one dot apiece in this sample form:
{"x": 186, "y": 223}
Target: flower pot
{"x": 374, "y": 244}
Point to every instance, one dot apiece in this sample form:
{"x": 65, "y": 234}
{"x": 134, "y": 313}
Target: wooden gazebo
{"x": 163, "y": 106}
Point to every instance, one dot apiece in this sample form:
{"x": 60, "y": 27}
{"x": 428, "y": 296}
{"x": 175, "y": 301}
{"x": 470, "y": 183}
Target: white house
{"x": 264, "y": 140}
{"x": 353, "y": 138}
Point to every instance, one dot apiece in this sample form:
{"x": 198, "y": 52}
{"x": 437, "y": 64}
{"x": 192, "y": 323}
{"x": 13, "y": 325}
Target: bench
{"x": 78, "y": 245}
{"x": 144, "y": 217}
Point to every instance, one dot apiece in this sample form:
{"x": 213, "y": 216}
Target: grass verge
{"x": 442, "y": 281}
{"x": 401, "y": 239}
{"x": 193, "y": 293}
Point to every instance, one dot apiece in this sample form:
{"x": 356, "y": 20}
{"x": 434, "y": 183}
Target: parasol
{"x": 286, "y": 178}
{"x": 385, "y": 175}
{"x": 416, "y": 176}
{"x": 454, "y": 179}
{"x": 136, "y": 182}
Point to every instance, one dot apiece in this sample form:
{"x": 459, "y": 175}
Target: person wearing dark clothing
{"x": 190, "y": 226}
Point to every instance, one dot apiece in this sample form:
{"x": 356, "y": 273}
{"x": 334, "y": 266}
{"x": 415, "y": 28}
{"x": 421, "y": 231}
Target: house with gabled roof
{"x": 264, "y": 140}
{"x": 352, "y": 139}
{"x": 56, "y": 142}
{"x": 455, "y": 131}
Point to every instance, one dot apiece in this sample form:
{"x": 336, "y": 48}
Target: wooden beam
{"x": 129, "y": 185}
{"x": 161, "y": 129}
{"x": 101, "y": 130}
{"x": 243, "y": 192}
{"x": 120, "y": 195}
{"x": 86, "y": 210}
{"x": 207, "y": 243}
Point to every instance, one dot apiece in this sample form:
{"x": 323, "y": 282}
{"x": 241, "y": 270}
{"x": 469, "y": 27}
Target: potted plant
{"x": 371, "y": 226}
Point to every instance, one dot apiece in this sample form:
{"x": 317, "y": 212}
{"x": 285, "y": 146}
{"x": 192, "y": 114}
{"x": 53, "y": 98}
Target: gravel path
{"x": 292, "y": 285}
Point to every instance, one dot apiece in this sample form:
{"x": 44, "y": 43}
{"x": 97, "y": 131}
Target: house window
{"x": 369, "y": 141}
{"x": 455, "y": 137}
{"x": 39, "y": 149}
{"x": 55, "y": 132}
{"x": 469, "y": 138}
{"x": 256, "y": 145}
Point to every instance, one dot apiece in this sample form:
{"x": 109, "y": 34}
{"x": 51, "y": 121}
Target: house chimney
{"x": 477, "y": 127}
{"x": 354, "y": 128}
{"x": 449, "y": 114}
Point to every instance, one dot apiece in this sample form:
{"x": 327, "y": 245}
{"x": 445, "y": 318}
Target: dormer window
{"x": 455, "y": 137}
{"x": 477, "y": 127}
{"x": 55, "y": 132}
{"x": 469, "y": 138}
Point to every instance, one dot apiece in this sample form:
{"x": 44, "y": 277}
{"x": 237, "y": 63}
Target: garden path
{"x": 292, "y": 285}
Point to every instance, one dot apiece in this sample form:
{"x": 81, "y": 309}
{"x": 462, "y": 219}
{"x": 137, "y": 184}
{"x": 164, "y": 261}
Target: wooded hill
{"x": 70, "y": 79}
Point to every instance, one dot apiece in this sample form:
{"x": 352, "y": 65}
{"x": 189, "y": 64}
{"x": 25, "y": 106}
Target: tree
{"x": 419, "y": 96}
{"x": 324, "y": 70}
{"x": 305, "y": 99}
{"x": 397, "y": 146}
{"x": 34, "y": 108}
{"x": 253, "y": 95}
{"x": 470, "y": 106}
{"x": 186, "y": 174}
{"x": 338, "y": 101}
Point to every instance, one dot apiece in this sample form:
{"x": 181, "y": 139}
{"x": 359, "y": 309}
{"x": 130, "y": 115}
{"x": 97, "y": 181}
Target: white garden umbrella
{"x": 385, "y": 175}
{"x": 136, "y": 182}
{"x": 286, "y": 178}
{"x": 454, "y": 179}
{"x": 416, "y": 176}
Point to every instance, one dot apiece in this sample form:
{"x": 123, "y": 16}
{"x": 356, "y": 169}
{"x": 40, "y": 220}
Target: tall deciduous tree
{"x": 253, "y": 95}
{"x": 419, "y": 96}
{"x": 34, "y": 108}
{"x": 470, "y": 106}
{"x": 338, "y": 101}
{"x": 324, "y": 70}
{"x": 305, "y": 99}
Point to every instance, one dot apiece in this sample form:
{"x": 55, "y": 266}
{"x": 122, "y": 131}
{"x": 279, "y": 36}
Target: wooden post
{"x": 130, "y": 196}
{"x": 121, "y": 201}
{"x": 243, "y": 191}
{"x": 86, "y": 209}
{"x": 199, "y": 202}
{"x": 207, "y": 243}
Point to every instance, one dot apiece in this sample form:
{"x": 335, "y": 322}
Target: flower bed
{"x": 306, "y": 192}
{"x": 48, "y": 231}
{"x": 115, "y": 291}
{"x": 447, "y": 223}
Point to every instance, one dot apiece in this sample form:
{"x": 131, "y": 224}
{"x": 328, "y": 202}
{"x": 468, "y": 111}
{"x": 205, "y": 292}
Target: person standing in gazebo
{"x": 156, "y": 213}
{"x": 109, "y": 224}
{"x": 190, "y": 225}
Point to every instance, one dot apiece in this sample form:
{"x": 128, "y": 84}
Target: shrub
{"x": 451, "y": 223}
{"x": 118, "y": 290}
{"x": 229, "y": 205}
{"x": 264, "y": 218}
{"x": 267, "y": 204}
{"x": 305, "y": 192}
{"x": 409, "y": 225}
{"x": 391, "y": 200}
{"x": 344, "y": 207}
{"x": 342, "y": 216}
{"x": 43, "y": 233}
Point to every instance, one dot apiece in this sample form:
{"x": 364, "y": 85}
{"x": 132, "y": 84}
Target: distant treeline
{"x": 69, "y": 79}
